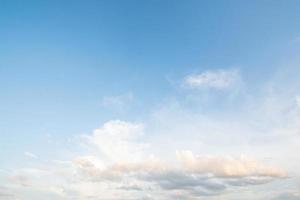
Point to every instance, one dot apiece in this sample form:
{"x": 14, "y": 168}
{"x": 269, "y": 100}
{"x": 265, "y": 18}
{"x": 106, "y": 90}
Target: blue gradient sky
{"x": 68, "y": 67}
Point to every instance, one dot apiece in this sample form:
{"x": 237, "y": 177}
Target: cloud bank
{"x": 117, "y": 166}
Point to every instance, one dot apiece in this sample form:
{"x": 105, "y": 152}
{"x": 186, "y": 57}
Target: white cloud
{"x": 298, "y": 100}
{"x": 216, "y": 79}
{"x": 227, "y": 166}
{"x": 116, "y": 140}
{"x": 117, "y": 102}
{"x": 122, "y": 169}
{"x": 30, "y": 155}
{"x": 137, "y": 180}
{"x": 124, "y": 163}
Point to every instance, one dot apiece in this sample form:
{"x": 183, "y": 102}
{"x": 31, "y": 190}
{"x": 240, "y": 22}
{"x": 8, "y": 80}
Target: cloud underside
{"x": 121, "y": 169}
{"x": 294, "y": 195}
{"x": 187, "y": 176}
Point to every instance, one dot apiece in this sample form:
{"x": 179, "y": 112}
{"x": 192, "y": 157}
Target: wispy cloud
{"x": 216, "y": 79}
{"x": 30, "y": 155}
{"x": 117, "y": 101}
{"x": 298, "y": 100}
{"x": 227, "y": 166}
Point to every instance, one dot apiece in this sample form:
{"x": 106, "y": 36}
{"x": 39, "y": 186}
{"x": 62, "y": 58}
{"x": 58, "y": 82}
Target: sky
{"x": 149, "y": 100}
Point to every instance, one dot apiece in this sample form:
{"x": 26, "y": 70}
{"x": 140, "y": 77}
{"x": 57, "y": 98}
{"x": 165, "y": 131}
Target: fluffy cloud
{"x": 120, "y": 168}
{"x": 116, "y": 141}
{"x": 217, "y": 79}
{"x": 124, "y": 160}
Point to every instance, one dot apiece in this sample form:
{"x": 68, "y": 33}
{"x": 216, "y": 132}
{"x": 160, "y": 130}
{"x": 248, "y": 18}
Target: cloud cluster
{"x": 127, "y": 160}
{"x": 119, "y": 168}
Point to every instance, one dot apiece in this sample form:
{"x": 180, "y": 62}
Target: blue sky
{"x": 219, "y": 77}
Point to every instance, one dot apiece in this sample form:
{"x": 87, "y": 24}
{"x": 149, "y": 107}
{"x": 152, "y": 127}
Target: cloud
{"x": 129, "y": 160}
{"x": 118, "y": 167}
{"x": 215, "y": 79}
{"x": 116, "y": 140}
{"x": 227, "y": 166}
{"x": 298, "y": 100}
{"x": 118, "y": 101}
{"x": 5, "y": 193}
{"x": 295, "y": 195}
{"x": 30, "y": 155}
{"x": 188, "y": 175}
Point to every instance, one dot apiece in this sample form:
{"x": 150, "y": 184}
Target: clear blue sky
{"x": 60, "y": 59}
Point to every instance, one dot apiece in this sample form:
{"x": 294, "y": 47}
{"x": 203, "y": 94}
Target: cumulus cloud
{"x": 120, "y": 163}
{"x": 215, "y": 79}
{"x": 116, "y": 140}
{"x": 121, "y": 168}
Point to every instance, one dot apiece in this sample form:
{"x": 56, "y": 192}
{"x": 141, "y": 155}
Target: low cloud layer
{"x": 118, "y": 167}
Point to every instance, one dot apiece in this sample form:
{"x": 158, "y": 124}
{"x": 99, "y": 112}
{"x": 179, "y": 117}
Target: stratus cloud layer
{"x": 119, "y": 168}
